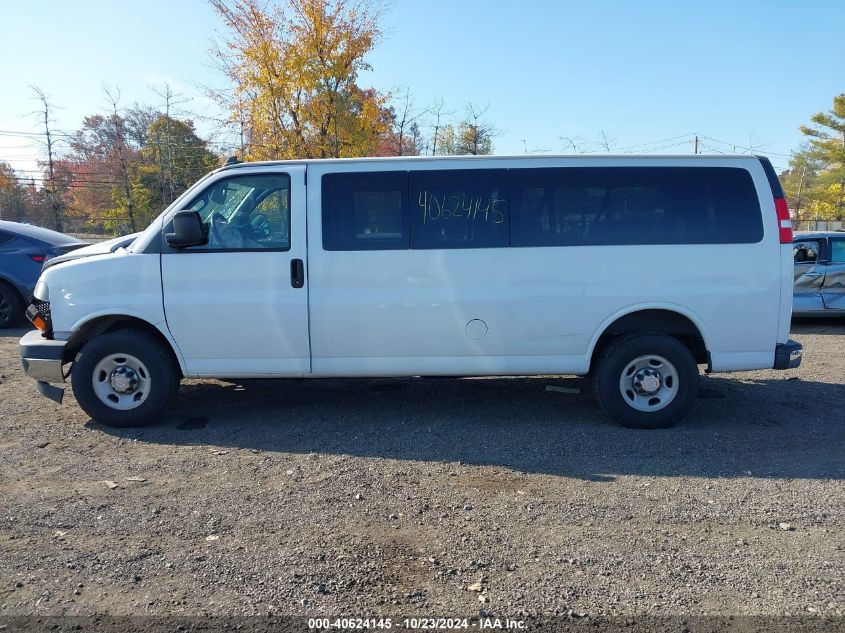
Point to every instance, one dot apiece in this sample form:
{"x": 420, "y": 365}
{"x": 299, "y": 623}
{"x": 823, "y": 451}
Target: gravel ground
{"x": 430, "y": 497}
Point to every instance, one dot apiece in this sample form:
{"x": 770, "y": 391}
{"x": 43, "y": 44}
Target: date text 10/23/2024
{"x": 459, "y": 206}
{"x": 416, "y": 624}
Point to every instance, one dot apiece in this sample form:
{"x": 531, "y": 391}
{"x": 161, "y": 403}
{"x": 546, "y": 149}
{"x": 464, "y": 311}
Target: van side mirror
{"x": 187, "y": 230}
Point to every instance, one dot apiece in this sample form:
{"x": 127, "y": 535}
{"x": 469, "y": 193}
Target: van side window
{"x": 250, "y": 212}
{"x": 805, "y": 252}
{"x": 635, "y": 205}
{"x": 467, "y": 208}
{"x": 365, "y": 211}
{"x": 837, "y": 251}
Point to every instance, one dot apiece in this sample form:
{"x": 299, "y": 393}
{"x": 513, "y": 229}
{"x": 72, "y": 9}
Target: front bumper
{"x": 42, "y": 359}
{"x": 788, "y": 355}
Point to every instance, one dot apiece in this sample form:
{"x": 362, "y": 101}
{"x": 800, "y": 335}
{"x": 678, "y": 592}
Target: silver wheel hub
{"x": 121, "y": 381}
{"x": 649, "y": 383}
{"x": 124, "y": 380}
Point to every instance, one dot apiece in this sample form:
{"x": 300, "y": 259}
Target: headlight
{"x": 41, "y": 292}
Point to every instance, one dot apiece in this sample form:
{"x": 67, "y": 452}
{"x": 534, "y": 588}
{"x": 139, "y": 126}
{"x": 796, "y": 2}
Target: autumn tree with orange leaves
{"x": 294, "y": 72}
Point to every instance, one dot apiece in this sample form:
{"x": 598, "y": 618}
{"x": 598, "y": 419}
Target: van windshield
{"x": 224, "y": 198}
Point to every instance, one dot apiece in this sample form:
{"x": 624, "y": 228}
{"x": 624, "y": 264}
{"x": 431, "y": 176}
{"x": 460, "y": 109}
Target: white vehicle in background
{"x": 632, "y": 270}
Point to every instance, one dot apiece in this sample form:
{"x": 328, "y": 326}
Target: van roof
{"x": 536, "y": 157}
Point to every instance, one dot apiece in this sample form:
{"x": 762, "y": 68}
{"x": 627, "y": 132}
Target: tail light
{"x": 784, "y": 221}
{"x": 39, "y": 259}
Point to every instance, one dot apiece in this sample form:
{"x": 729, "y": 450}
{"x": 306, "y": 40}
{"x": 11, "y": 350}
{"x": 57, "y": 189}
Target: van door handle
{"x": 812, "y": 275}
{"x": 297, "y": 273}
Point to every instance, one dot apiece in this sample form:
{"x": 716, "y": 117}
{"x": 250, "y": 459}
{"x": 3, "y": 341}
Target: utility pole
{"x": 696, "y": 144}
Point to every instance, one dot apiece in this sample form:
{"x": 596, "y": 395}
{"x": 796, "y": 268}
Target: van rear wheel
{"x": 646, "y": 381}
{"x": 124, "y": 378}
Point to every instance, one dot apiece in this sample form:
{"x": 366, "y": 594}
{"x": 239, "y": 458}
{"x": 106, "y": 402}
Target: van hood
{"x": 100, "y": 248}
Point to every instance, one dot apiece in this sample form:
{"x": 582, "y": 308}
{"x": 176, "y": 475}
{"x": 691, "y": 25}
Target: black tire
{"x": 163, "y": 373}
{"x": 617, "y": 357}
{"x": 12, "y": 309}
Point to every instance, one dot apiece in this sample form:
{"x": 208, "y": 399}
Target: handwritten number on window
{"x": 461, "y": 205}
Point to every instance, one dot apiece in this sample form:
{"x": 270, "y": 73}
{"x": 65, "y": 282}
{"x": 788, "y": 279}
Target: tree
{"x": 8, "y": 184}
{"x": 445, "y": 140}
{"x": 164, "y": 140}
{"x": 475, "y": 134}
{"x": 172, "y": 160}
{"x": 20, "y": 199}
{"x": 125, "y": 167}
{"x": 404, "y": 137}
{"x": 104, "y": 155}
{"x": 572, "y": 143}
{"x": 294, "y": 72}
{"x": 11, "y": 194}
{"x": 823, "y": 206}
{"x": 799, "y": 181}
{"x": 827, "y": 142}
{"x": 56, "y": 202}
{"x": 120, "y": 147}
{"x": 438, "y": 116}
{"x": 606, "y": 142}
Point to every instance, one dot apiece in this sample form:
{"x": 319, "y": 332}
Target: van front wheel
{"x": 646, "y": 381}
{"x": 124, "y": 378}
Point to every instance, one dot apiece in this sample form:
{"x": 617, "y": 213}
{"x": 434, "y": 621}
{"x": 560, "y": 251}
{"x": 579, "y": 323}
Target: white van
{"x": 632, "y": 270}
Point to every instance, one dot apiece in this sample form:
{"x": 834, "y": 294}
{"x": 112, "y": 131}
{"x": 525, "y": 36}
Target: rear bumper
{"x": 788, "y": 355}
{"x": 42, "y": 359}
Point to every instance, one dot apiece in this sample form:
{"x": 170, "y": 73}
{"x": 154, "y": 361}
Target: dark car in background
{"x": 23, "y": 250}
{"x": 819, "y": 273}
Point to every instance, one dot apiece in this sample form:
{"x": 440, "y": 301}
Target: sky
{"x": 648, "y": 75}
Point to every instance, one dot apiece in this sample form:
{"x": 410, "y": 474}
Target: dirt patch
{"x": 343, "y": 497}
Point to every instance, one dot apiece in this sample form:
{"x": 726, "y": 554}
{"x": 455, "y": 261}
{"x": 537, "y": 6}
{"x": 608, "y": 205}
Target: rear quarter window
{"x": 634, "y": 205}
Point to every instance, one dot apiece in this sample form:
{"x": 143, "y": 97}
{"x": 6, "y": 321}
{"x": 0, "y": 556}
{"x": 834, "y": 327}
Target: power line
{"x": 746, "y": 148}
{"x": 658, "y": 141}
{"x": 657, "y": 149}
{"x": 712, "y": 149}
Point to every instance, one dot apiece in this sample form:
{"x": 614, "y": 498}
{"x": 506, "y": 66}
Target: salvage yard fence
{"x": 818, "y": 225}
